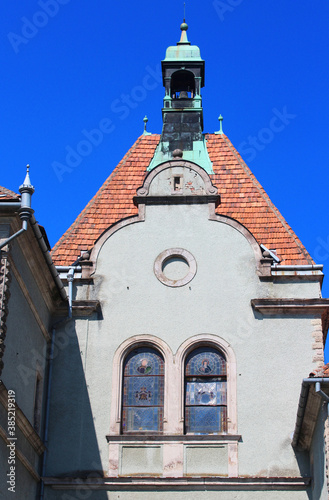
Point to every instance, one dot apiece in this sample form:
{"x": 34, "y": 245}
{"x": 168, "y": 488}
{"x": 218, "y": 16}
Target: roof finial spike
{"x": 27, "y": 181}
{"x": 220, "y": 119}
{"x": 184, "y": 11}
{"x": 145, "y": 120}
{"x": 183, "y": 37}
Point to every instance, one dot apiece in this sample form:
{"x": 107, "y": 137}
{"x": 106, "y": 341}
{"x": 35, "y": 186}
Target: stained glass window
{"x": 143, "y": 392}
{"x": 205, "y": 392}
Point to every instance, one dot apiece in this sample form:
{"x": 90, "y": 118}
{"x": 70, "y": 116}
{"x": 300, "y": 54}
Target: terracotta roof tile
{"x": 242, "y": 198}
{"x": 321, "y": 372}
{"x": 7, "y": 195}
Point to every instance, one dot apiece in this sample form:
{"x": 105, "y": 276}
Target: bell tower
{"x": 182, "y": 113}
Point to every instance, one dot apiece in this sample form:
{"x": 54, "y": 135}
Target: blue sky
{"x": 70, "y": 67}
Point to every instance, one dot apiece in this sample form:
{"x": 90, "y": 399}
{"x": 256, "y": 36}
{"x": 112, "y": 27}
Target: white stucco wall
{"x": 273, "y": 353}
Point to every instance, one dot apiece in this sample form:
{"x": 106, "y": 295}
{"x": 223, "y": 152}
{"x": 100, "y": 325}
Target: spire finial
{"x": 145, "y": 120}
{"x": 184, "y": 11}
{"x": 183, "y": 37}
{"x": 27, "y": 181}
{"x": 220, "y": 119}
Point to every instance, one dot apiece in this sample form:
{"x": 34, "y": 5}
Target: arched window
{"x": 205, "y": 392}
{"x": 143, "y": 391}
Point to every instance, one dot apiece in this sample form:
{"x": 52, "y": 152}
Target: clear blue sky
{"x": 68, "y": 65}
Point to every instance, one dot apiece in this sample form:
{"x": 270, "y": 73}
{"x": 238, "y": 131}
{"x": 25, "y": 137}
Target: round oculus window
{"x": 175, "y": 267}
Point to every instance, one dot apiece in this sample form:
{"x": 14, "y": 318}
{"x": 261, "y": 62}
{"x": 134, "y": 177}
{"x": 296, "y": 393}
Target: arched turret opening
{"x": 182, "y": 84}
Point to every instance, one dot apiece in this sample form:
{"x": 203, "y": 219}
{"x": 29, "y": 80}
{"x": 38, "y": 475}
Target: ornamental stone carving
{"x": 4, "y": 297}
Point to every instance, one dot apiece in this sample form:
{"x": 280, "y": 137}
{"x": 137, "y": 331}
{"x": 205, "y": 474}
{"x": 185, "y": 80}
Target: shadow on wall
{"x": 303, "y": 461}
{"x": 73, "y": 446}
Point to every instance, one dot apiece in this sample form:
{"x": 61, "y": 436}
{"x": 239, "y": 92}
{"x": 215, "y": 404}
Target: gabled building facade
{"x": 193, "y": 316}
{"x": 30, "y": 293}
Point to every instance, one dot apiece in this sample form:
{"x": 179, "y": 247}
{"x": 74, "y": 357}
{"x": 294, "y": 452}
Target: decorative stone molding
{"x": 4, "y": 297}
{"x": 318, "y": 345}
{"x": 117, "y": 370}
{"x": 176, "y": 200}
{"x": 164, "y": 438}
{"x": 263, "y": 264}
{"x": 212, "y": 483}
{"x": 290, "y": 306}
{"x": 107, "y": 233}
{"x": 210, "y": 189}
{"x": 173, "y": 440}
{"x": 80, "y": 308}
{"x": 180, "y": 254}
{"x": 223, "y": 346}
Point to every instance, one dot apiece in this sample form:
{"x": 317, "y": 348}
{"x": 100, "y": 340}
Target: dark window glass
{"x": 205, "y": 392}
{"x": 143, "y": 392}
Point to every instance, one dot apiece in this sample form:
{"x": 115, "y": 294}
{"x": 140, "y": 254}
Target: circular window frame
{"x": 169, "y": 254}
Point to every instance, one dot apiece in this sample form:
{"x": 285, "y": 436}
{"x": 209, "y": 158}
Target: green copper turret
{"x": 182, "y": 113}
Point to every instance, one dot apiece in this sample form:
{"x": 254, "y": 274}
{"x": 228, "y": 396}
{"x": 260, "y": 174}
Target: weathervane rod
{"x": 184, "y": 12}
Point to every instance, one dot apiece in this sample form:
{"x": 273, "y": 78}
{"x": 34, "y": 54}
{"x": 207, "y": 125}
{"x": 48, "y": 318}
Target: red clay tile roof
{"x": 7, "y": 195}
{"x": 242, "y": 198}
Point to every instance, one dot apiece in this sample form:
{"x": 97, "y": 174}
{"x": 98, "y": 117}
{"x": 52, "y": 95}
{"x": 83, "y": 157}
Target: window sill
{"x": 164, "y": 438}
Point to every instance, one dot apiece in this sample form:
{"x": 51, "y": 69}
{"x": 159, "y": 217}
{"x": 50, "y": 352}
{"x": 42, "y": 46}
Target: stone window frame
{"x": 172, "y": 440}
{"x": 164, "y": 256}
{"x": 216, "y": 342}
{"x": 129, "y": 379}
{"x": 120, "y": 355}
{"x": 174, "y": 380}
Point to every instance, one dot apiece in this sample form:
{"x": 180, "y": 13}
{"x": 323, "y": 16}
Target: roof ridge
{"x": 267, "y": 199}
{"x": 95, "y": 197}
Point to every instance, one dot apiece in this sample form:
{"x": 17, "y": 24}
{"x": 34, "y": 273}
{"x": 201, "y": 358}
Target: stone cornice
{"x": 147, "y": 483}
{"x": 177, "y": 200}
{"x": 290, "y": 306}
{"x": 81, "y": 308}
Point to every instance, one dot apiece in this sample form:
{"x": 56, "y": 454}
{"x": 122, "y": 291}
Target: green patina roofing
{"x": 183, "y": 51}
{"x": 199, "y": 155}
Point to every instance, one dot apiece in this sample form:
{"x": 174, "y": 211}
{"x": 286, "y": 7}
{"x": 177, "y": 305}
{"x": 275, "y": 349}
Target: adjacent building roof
{"x": 7, "y": 195}
{"x": 322, "y": 372}
{"x": 242, "y": 198}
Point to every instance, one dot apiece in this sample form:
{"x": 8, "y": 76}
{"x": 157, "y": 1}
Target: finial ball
{"x": 178, "y": 153}
{"x": 184, "y": 27}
